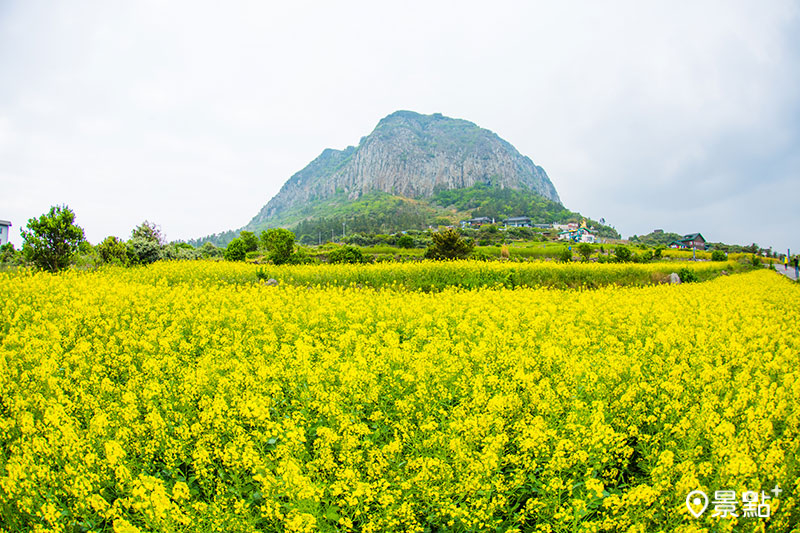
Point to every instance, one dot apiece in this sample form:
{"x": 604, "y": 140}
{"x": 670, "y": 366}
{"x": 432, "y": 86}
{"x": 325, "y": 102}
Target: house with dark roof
{"x": 692, "y": 241}
{"x": 476, "y": 222}
{"x": 519, "y": 222}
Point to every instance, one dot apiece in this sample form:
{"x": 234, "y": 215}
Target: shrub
{"x": 405, "y": 241}
{"x": 657, "y": 252}
{"x": 718, "y": 255}
{"x": 504, "y": 252}
{"x": 250, "y": 240}
{"x": 565, "y": 256}
{"x": 687, "y": 275}
{"x": 448, "y": 244}
{"x": 346, "y": 254}
{"x": 622, "y": 254}
{"x": 236, "y": 250}
{"x": 113, "y": 251}
{"x": 279, "y": 244}
{"x": 585, "y": 250}
{"x": 755, "y": 261}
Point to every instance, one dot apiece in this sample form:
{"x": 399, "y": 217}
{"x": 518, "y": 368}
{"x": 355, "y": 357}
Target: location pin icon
{"x": 696, "y": 502}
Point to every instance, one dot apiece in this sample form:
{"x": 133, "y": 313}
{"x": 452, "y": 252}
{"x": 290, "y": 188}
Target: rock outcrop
{"x": 411, "y": 155}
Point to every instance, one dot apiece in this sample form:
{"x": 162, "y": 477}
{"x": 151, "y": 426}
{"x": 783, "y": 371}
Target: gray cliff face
{"x": 413, "y": 155}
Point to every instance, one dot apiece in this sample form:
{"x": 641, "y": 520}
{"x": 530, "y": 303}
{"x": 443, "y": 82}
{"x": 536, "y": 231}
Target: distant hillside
{"x": 412, "y": 171}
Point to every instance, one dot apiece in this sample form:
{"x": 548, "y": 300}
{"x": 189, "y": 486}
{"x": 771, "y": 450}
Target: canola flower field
{"x": 164, "y": 399}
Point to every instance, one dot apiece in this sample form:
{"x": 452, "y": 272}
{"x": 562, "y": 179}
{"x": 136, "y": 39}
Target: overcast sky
{"x": 676, "y": 115}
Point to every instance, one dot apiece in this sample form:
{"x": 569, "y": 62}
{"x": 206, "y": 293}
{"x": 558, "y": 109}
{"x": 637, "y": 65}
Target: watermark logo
{"x": 697, "y": 502}
{"x": 726, "y": 504}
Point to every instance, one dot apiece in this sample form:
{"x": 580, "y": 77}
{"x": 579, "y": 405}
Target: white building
{"x": 4, "y": 225}
{"x": 577, "y": 235}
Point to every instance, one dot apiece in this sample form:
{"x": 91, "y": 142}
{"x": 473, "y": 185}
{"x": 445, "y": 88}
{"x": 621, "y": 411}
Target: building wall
{"x": 3, "y": 234}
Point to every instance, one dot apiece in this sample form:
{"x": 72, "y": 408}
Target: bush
{"x": 658, "y": 251}
{"x": 209, "y": 250}
{"x": 755, "y": 261}
{"x": 565, "y": 256}
{"x": 585, "y": 250}
{"x": 143, "y": 251}
{"x": 718, "y": 255}
{"x": 236, "y": 250}
{"x": 406, "y": 241}
{"x": 448, "y": 244}
{"x": 250, "y": 240}
{"x": 279, "y": 244}
{"x": 113, "y": 251}
{"x": 346, "y": 254}
{"x": 687, "y": 276}
{"x": 8, "y": 255}
{"x": 622, "y": 254}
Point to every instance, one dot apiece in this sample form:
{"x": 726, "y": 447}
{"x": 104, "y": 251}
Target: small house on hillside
{"x": 476, "y": 222}
{"x": 4, "y": 225}
{"x": 519, "y": 222}
{"x": 692, "y": 241}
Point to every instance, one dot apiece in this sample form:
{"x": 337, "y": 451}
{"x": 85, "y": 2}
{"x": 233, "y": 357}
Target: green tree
{"x": 236, "y": 250}
{"x": 113, "y": 250}
{"x": 250, "y": 240}
{"x": 279, "y": 243}
{"x": 448, "y": 244}
{"x": 148, "y": 231}
{"x": 622, "y": 253}
{"x": 145, "y": 244}
{"x": 585, "y": 250}
{"x": 51, "y": 241}
{"x": 406, "y": 241}
{"x": 209, "y": 250}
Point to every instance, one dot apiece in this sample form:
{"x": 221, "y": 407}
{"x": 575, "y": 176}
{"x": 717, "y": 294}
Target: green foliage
{"x": 148, "y": 231}
{"x": 376, "y": 212}
{"x": 484, "y": 200}
{"x": 657, "y": 252}
{"x": 406, "y": 241}
{"x": 656, "y": 238}
{"x": 622, "y": 254}
{"x": 113, "y": 251}
{"x": 208, "y": 250}
{"x": 51, "y": 241}
{"x": 142, "y": 251}
{"x": 346, "y": 254}
{"x": 145, "y": 244}
{"x": 755, "y": 261}
{"x": 718, "y": 255}
{"x": 448, "y": 244}
{"x": 180, "y": 251}
{"x": 250, "y": 240}
{"x": 236, "y": 250}
{"x": 279, "y": 244}
{"x": 687, "y": 275}
{"x": 585, "y": 250}
{"x": 565, "y": 256}
{"x": 8, "y": 255}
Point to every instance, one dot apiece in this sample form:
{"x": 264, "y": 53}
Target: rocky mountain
{"x": 412, "y": 156}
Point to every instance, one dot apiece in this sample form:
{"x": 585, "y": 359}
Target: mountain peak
{"x": 411, "y": 155}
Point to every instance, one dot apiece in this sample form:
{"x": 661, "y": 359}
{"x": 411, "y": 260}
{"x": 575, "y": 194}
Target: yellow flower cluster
{"x": 162, "y": 399}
